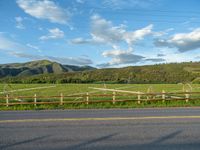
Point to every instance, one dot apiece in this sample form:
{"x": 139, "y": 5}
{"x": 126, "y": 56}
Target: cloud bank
{"x": 181, "y": 41}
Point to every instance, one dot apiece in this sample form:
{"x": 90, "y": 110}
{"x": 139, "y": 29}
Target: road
{"x": 114, "y": 129}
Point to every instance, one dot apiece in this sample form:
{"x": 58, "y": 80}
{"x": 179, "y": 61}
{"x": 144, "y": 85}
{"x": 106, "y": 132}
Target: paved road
{"x": 127, "y": 129}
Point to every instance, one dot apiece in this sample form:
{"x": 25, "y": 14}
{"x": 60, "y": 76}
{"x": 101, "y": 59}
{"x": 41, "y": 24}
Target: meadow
{"x": 68, "y": 89}
{"x": 76, "y": 90}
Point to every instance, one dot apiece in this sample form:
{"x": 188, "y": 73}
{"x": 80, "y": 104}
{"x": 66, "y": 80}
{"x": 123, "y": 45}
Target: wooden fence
{"x": 87, "y": 98}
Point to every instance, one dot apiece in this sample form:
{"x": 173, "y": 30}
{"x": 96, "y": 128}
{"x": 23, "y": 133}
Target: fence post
{"x": 87, "y": 98}
{"x": 61, "y": 98}
{"x": 139, "y": 97}
{"x": 147, "y": 94}
{"x": 7, "y": 103}
{"x": 187, "y": 96}
{"x": 35, "y": 100}
{"x": 163, "y": 96}
{"x": 114, "y": 97}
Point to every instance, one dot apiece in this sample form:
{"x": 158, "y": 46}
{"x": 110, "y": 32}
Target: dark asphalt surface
{"x": 151, "y": 134}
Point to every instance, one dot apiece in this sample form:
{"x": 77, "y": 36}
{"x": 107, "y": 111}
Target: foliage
{"x": 162, "y": 73}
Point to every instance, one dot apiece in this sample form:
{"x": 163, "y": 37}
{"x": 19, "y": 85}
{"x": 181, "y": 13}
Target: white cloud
{"x": 81, "y": 41}
{"x": 182, "y": 41}
{"x": 120, "y": 57}
{"x": 64, "y": 60}
{"x": 171, "y": 55}
{"x": 19, "y": 22}
{"x": 126, "y": 57}
{"x": 53, "y": 34}
{"x": 132, "y": 37}
{"x": 104, "y": 32}
{"x": 45, "y": 9}
{"x": 162, "y": 33}
{"x": 114, "y": 53}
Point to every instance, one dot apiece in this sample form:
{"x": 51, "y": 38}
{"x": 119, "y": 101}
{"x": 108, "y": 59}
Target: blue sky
{"x": 100, "y": 33}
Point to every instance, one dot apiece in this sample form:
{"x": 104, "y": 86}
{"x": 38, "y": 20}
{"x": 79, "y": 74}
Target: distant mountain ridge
{"x": 45, "y": 71}
{"x": 38, "y": 67}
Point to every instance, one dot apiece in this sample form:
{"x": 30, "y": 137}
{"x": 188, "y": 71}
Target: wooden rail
{"x": 94, "y": 98}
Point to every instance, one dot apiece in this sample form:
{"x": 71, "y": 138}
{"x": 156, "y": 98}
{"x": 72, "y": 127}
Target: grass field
{"x": 16, "y": 90}
{"x": 68, "y": 89}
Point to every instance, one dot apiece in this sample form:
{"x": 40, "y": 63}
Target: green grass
{"x": 104, "y": 105}
{"x": 69, "y": 89}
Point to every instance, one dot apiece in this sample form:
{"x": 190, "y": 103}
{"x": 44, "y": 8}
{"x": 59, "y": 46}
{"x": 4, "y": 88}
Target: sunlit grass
{"x": 82, "y": 89}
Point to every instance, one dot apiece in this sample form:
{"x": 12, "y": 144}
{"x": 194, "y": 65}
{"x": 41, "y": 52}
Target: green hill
{"x": 37, "y": 67}
{"x": 52, "y": 72}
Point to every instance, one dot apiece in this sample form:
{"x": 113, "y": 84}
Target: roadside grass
{"x": 106, "y": 105}
{"x": 82, "y": 89}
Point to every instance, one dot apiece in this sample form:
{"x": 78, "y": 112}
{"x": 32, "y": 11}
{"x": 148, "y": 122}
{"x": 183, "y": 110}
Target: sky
{"x": 100, "y": 33}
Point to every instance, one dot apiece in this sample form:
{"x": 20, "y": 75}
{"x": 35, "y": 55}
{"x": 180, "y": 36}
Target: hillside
{"x": 162, "y": 73}
{"x": 37, "y": 67}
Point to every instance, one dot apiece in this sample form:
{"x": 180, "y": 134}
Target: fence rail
{"x": 99, "y": 98}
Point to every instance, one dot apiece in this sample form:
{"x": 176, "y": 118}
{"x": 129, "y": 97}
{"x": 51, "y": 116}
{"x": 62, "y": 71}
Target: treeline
{"x": 163, "y": 73}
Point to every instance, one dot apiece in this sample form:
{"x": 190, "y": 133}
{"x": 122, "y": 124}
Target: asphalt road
{"x": 127, "y": 129}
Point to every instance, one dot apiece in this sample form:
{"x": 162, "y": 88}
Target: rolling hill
{"x": 37, "y": 67}
{"x": 51, "y": 72}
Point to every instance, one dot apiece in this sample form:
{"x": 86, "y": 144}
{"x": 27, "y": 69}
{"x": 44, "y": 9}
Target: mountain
{"x": 51, "y": 72}
{"x": 38, "y": 67}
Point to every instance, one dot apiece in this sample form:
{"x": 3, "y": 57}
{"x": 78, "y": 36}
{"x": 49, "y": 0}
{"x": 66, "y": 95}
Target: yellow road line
{"x": 99, "y": 119}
